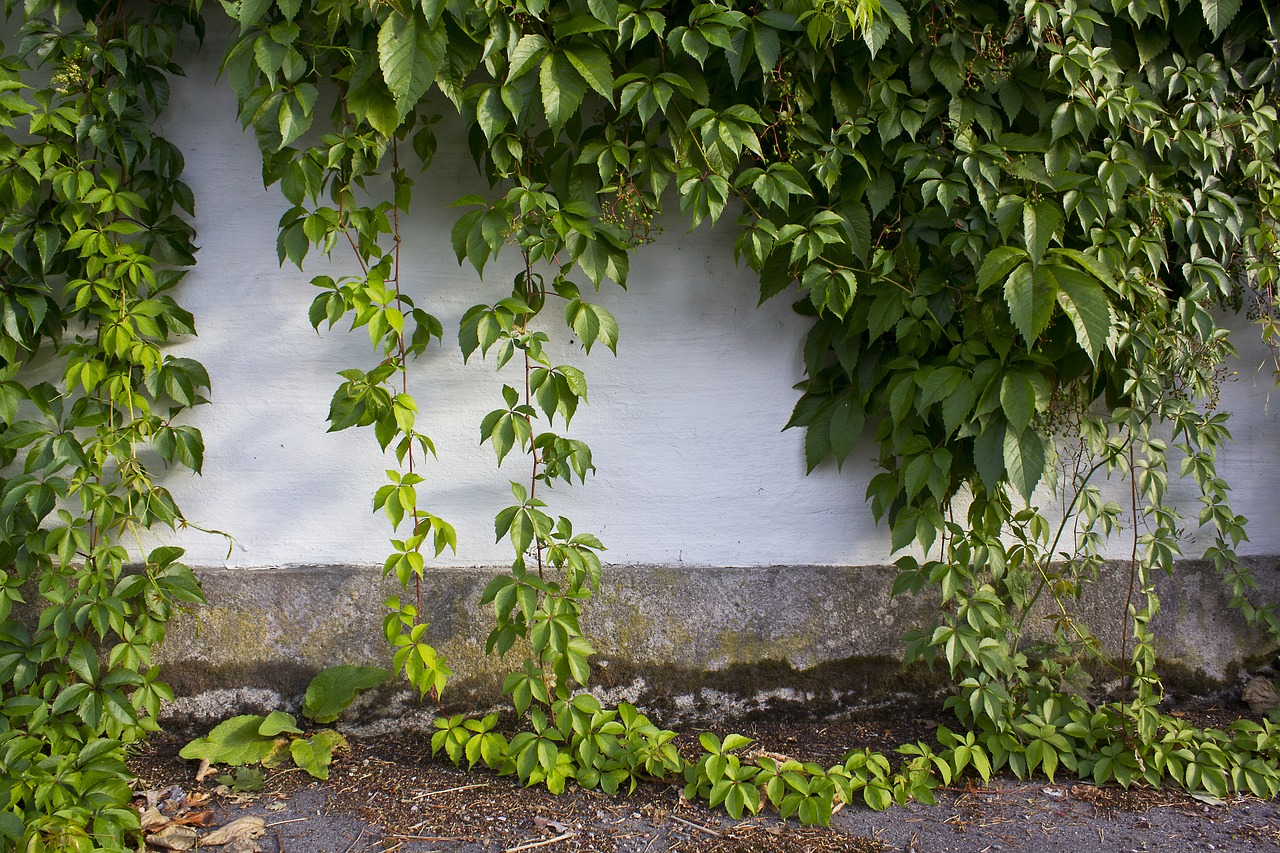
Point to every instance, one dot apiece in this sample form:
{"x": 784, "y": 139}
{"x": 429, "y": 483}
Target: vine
{"x": 93, "y": 242}
{"x": 994, "y": 222}
{"x": 1008, "y": 222}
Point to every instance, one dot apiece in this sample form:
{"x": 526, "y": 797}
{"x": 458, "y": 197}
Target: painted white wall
{"x": 684, "y": 423}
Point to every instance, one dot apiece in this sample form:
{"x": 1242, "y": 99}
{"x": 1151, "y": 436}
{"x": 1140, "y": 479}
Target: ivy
{"x": 1008, "y": 223}
{"x": 998, "y": 216}
{"x": 93, "y": 244}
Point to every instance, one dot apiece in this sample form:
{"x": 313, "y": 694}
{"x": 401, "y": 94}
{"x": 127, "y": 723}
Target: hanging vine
{"x": 1007, "y": 220}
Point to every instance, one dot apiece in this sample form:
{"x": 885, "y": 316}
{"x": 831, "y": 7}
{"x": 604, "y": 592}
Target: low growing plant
{"x": 275, "y": 739}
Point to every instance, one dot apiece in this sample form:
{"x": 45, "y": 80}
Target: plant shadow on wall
{"x": 1008, "y": 223}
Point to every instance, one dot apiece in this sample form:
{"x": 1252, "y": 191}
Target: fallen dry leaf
{"x": 241, "y": 829}
{"x": 554, "y": 825}
{"x": 174, "y": 837}
{"x": 153, "y": 820}
{"x": 194, "y": 819}
{"x": 204, "y": 770}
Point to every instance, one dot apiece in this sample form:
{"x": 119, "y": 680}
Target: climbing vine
{"x": 94, "y": 239}
{"x": 997, "y": 214}
{"x": 1008, "y": 222}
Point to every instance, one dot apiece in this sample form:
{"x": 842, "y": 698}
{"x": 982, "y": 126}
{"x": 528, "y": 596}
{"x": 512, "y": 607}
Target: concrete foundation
{"x": 687, "y": 645}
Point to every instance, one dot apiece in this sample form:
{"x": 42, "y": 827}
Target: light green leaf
{"x": 593, "y": 64}
{"x": 236, "y": 741}
{"x": 562, "y": 89}
{"x": 278, "y": 722}
{"x": 409, "y": 54}
{"x": 315, "y": 754}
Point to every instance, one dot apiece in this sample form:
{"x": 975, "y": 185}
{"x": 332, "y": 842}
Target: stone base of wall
{"x": 686, "y": 644}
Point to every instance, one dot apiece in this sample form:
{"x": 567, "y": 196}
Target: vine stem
{"x": 1133, "y": 558}
{"x": 400, "y": 347}
{"x": 528, "y": 367}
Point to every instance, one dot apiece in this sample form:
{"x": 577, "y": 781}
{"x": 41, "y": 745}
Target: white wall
{"x": 684, "y": 424}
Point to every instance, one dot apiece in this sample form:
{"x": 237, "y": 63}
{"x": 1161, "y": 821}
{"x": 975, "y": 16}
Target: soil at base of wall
{"x": 388, "y": 794}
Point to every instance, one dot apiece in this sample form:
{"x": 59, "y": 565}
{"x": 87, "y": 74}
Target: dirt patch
{"x": 389, "y": 794}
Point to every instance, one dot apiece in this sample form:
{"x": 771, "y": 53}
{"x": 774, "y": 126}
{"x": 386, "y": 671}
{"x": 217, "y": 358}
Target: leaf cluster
{"x": 275, "y": 738}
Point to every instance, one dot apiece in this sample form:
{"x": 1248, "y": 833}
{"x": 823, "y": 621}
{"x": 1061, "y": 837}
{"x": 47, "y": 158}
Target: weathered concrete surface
{"x": 685, "y": 644}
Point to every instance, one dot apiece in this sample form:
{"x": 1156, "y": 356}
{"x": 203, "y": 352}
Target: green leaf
{"x": 278, "y": 722}
{"x": 409, "y": 54}
{"x": 1030, "y": 294}
{"x": 995, "y": 267}
{"x": 1018, "y": 399}
{"x": 1218, "y": 14}
{"x": 330, "y": 692}
{"x": 593, "y": 64}
{"x": 563, "y": 89}
{"x": 315, "y": 754}
{"x": 988, "y": 455}
{"x": 251, "y": 11}
{"x": 236, "y": 741}
{"x": 526, "y": 55}
{"x": 1084, "y": 301}
{"x": 1040, "y": 220}
{"x": 1024, "y": 457}
{"x": 847, "y": 420}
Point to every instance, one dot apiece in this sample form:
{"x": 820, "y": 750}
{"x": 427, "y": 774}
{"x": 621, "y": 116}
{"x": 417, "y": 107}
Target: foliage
{"x": 275, "y": 739}
{"x": 1008, "y": 222}
{"x": 93, "y": 240}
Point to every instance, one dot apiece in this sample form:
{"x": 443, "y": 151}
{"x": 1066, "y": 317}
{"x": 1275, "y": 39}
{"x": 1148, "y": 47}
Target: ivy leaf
{"x": 996, "y": 265}
{"x": 958, "y": 404}
{"x": 526, "y": 55}
{"x": 251, "y": 11}
{"x": 1219, "y": 13}
{"x": 593, "y": 64}
{"x": 409, "y": 54}
{"x": 1040, "y": 220}
{"x": 940, "y": 384}
{"x": 1018, "y": 399}
{"x": 295, "y": 113}
{"x": 817, "y": 438}
{"x": 1030, "y": 295}
{"x": 1024, "y": 457}
{"x": 1083, "y": 300}
{"x": 562, "y": 89}
{"x": 847, "y": 419}
{"x": 775, "y": 275}
{"x": 988, "y": 454}
{"x": 947, "y": 70}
